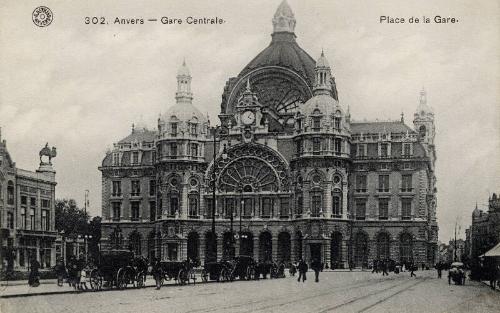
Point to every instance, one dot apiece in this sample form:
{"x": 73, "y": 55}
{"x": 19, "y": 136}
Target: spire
{"x": 284, "y": 19}
{"x": 322, "y": 84}
{"x": 423, "y": 96}
{"x": 402, "y": 117}
{"x": 184, "y": 93}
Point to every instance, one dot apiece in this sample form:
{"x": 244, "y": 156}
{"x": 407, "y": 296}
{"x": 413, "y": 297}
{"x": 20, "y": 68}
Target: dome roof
{"x": 285, "y": 52}
{"x": 322, "y": 102}
{"x": 184, "y": 112}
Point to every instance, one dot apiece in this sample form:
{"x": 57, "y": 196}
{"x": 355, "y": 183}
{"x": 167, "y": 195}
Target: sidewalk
{"x": 49, "y": 287}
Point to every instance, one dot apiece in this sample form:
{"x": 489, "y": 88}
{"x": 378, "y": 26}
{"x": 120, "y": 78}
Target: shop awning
{"x": 495, "y": 251}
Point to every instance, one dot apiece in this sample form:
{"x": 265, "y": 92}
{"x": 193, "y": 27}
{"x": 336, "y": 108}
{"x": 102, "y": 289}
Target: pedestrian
{"x": 60, "y": 270}
{"x": 316, "y": 267}
{"x": 412, "y": 269}
{"x": 293, "y": 269}
{"x": 384, "y": 267}
{"x": 375, "y": 266}
{"x": 350, "y": 266}
{"x": 423, "y": 266}
{"x": 302, "y": 270}
{"x": 439, "y": 268}
{"x": 34, "y": 276}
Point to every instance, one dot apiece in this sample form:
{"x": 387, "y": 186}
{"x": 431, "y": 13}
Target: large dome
{"x": 285, "y": 52}
{"x": 322, "y": 102}
{"x": 184, "y": 112}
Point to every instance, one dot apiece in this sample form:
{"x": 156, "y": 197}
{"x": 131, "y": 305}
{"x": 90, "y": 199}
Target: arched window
{"x": 316, "y": 202}
{"x": 337, "y": 204}
{"x": 422, "y": 131}
{"x": 193, "y": 205}
{"x": 10, "y": 192}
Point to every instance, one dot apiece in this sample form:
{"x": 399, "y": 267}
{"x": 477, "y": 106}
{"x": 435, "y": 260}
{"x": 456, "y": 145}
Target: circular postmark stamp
{"x": 42, "y": 16}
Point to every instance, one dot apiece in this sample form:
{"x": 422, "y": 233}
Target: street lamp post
{"x": 213, "y": 181}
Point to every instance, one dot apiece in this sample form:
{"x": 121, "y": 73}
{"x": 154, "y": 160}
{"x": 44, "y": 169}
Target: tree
{"x": 70, "y": 219}
{"x": 95, "y": 231}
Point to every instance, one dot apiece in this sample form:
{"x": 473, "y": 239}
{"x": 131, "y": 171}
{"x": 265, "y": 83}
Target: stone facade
{"x": 485, "y": 228}
{"x": 27, "y": 213}
{"x": 294, "y": 176}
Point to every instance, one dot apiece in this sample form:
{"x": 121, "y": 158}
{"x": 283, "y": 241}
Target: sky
{"x": 80, "y": 87}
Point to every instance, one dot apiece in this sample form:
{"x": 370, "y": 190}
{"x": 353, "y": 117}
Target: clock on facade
{"x": 248, "y": 117}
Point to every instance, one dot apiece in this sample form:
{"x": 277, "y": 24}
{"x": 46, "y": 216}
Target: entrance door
{"x": 315, "y": 251}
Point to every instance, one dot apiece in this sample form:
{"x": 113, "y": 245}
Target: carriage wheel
{"x": 121, "y": 282}
{"x": 191, "y": 277}
{"x": 204, "y": 276}
{"x": 140, "y": 279}
{"x": 181, "y": 277}
{"x": 95, "y": 280}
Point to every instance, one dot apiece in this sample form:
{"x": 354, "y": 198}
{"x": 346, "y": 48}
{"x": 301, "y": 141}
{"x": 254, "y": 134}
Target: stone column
{"x": 344, "y": 200}
{"x": 327, "y": 210}
{"x": 345, "y": 252}
{"x": 293, "y": 245}
{"x": 256, "y": 247}
{"x": 184, "y": 202}
{"x": 220, "y": 245}
{"x": 201, "y": 249}
{"x": 274, "y": 242}
{"x": 327, "y": 253}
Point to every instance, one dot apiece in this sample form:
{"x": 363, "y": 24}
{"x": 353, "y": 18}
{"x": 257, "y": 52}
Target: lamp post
{"x": 213, "y": 181}
{"x": 87, "y": 238}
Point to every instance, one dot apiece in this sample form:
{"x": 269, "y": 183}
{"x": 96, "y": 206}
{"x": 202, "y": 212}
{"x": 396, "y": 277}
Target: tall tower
{"x": 424, "y": 121}
{"x": 184, "y": 94}
{"x": 322, "y": 84}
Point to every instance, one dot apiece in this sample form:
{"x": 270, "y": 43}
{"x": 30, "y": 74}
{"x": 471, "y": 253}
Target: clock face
{"x": 248, "y": 117}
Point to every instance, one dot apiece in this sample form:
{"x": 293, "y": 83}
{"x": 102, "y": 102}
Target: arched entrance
{"x": 361, "y": 250}
{"x": 210, "y": 247}
{"x": 383, "y": 246}
{"x": 265, "y": 247}
{"x": 193, "y": 246}
{"x": 284, "y": 247}
{"x": 336, "y": 250}
{"x": 246, "y": 244}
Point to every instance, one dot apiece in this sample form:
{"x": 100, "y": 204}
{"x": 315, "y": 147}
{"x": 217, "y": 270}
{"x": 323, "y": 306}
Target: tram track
{"x": 285, "y": 300}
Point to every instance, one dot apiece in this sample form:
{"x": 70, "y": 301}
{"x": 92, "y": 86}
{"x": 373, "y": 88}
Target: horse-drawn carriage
{"x": 180, "y": 271}
{"x": 242, "y": 267}
{"x": 219, "y": 271}
{"x": 117, "y": 268}
{"x": 269, "y": 268}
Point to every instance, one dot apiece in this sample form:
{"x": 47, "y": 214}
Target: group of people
{"x": 302, "y": 268}
{"x": 73, "y": 272}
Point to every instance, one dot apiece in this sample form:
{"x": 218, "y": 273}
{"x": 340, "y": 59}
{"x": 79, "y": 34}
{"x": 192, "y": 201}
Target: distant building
{"x": 294, "y": 174}
{"x": 26, "y": 212}
{"x": 485, "y": 228}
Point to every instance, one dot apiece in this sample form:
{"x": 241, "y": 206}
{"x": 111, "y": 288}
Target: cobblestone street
{"x": 336, "y": 292}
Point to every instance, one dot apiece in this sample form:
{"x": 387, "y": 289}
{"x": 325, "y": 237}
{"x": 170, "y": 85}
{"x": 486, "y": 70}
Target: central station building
{"x": 293, "y": 176}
